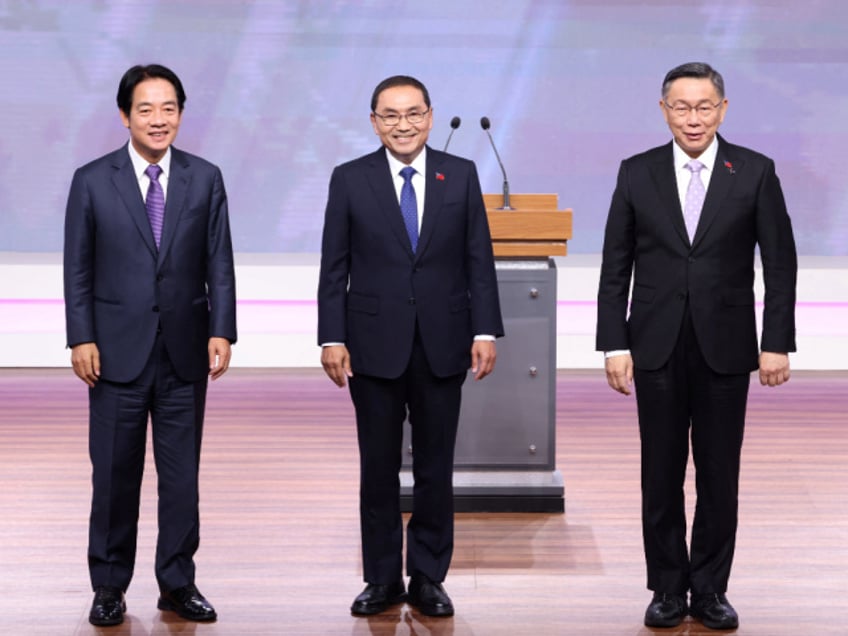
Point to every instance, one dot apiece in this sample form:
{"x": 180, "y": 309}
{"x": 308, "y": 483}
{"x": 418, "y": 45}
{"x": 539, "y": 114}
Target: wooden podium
{"x": 533, "y": 229}
{"x": 505, "y": 456}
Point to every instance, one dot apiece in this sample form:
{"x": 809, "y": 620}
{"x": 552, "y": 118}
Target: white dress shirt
{"x": 140, "y": 165}
{"x": 418, "y": 180}
{"x": 708, "y": 158}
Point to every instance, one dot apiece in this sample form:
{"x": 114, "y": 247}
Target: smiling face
{"x": 404, "y": 140}
{"x": 154, "y": 118}
{"x": 693, "y": 131}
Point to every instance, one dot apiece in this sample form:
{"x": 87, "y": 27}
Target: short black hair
{"x": 137, "y": 74}
{"x": 698, "y": 70}
{"x": 398, "y": 80}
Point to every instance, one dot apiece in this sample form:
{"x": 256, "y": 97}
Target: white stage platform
{"x": 277, "y": 314}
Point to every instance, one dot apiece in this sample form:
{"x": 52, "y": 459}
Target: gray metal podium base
{"x": 501, "y": 491}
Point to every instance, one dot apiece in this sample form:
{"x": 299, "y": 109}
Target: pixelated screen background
{"x": 279, "y": 92}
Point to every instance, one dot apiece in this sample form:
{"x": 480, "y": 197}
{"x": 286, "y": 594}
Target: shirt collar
{"x": 419, "y": 163}
{"x": 707, "y": 157}
{"x": 140, "y": 163}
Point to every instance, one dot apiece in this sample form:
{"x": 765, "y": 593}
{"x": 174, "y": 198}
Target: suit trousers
{"x": 381, "y": 407}
{"x": 118, "y": 415}
{"x": 685, "y": 397}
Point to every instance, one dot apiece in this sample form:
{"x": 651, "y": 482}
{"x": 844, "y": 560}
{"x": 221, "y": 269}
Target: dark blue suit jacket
{"x": 646, "y": 238}
{"x": 119, "y": 289}
{"x": 373, "y": 289}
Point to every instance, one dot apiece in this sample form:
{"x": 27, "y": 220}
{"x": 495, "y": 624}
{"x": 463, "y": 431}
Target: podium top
{"x": 521, "y": 202}
{"x": 533, "y": 228}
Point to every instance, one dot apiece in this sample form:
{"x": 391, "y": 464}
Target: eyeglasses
{"x": 704, "y": 110}
{"x": 393, "y": 119}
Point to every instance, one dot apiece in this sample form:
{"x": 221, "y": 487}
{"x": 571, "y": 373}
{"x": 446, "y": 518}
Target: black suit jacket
{"x": 373, "y": 289}
{"x": 646, "y": 236}
{"x": 119, "y": 289}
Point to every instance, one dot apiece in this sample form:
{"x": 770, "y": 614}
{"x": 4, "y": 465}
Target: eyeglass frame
{"x": 680, "y": 115}
{"x": 400, "y": 117}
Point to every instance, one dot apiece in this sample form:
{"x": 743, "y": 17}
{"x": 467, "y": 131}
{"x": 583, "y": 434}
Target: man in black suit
{"x": 150, "y": 312}
{"x": 690, "y": 341}
{"x": 407, "y": 302}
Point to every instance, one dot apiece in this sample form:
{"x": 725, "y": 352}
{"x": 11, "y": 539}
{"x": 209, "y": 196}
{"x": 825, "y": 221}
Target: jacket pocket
{"x": 738, "y": 297}
{"x": 363, "y": 304}
{"x": 643, "y": 294}
{"x": 459, "y": 302}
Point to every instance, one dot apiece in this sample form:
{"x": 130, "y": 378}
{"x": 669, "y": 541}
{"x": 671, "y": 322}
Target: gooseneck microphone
{"x": 455, "y": 122}
{"x": 485, "y": 124}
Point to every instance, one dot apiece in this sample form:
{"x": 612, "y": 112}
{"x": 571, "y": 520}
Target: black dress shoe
{"x": 430, "y": 598}
{"x": 666, "y": 610}
{"x": 714, "y": 610}
{"x": 188, "y": 603}
{"x": 377, "y": 598}
{"x": 108, "y": 607}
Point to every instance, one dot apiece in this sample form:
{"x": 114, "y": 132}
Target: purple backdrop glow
{"x": 278, "y": 93}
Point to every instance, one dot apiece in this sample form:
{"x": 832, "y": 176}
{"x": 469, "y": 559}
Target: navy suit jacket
{"x": 372, "y": 288}
{"x": 119, "y": 289}
{"x": 646, "y": 237}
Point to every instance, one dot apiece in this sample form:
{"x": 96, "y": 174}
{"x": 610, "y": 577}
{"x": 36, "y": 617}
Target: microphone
{"x": 455, "y": 122}
{"x": 485, "y": 124}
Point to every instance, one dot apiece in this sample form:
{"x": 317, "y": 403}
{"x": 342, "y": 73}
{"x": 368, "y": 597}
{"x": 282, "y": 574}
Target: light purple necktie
{"x": 155, "y": 201}
{"x": 409, "y": 206}
{"x": 695, "y": 194}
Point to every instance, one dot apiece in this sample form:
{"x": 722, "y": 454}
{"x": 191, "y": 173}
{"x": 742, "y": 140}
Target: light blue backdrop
{"x": 278, "y": 93}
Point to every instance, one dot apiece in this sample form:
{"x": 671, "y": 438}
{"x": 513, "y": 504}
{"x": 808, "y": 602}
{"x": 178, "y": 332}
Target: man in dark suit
{"x": 407, "y": 302}
{"x": 690, "y": 341}
{"x": 150, "y": 311}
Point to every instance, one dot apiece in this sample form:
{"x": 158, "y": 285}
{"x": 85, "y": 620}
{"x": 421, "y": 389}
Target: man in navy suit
{"x": 407, "y": 302}
{"x": 150, "y": 312}
{"x": 690, "y": 341}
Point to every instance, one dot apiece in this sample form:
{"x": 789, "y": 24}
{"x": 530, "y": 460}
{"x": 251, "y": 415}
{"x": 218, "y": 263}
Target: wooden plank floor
{"x": 280, "y": 550}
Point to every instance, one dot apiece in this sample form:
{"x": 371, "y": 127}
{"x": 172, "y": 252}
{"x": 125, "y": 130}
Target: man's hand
{"x": 620, "y": 372}
{"x": 483, "y": 356}
{"x": 336, "y": 362}
{"x": 219, "y": 357}
{"x": 85, "y": 358}
{"x": 774, "y": 368}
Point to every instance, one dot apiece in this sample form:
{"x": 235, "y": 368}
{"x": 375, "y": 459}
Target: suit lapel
{"x": 126, "y": 183}
{"x": 721, "y": 181}
{"x": 661, "y": 168}
{"x": 178, "y": 182}
{"x": 434, "y": 193}
{"x": 381, "y": 183}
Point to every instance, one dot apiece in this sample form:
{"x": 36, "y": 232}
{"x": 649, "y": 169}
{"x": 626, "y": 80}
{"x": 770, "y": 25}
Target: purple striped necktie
{"x": 155, "y": 202}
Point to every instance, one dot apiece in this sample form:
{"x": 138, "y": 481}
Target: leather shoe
{"x": 377, "y": 598}
{"x": 430, "y": 598}
{"x": 714, "y": 610}
{"x": 666, "y": 610}
{"x": 108, "y": 607}
{"x": 188, "y": 603}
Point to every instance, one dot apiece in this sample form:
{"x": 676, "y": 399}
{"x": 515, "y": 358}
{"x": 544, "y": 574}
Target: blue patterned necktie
{"x": 409, "y": 206}
{"x": 695, "y": 195}
{"x": 155, "y": 202}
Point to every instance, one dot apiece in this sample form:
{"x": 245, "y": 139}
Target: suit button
{"x": 691, "y": 260}
{"x": 155, "y": 308}
{"x": 159, "y": 277}
{"x": 681, "y": 296}
{"x": 411, "y": 301}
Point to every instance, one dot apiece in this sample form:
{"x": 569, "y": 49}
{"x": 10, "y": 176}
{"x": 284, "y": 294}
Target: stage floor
{"x": 279, "y": 523}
